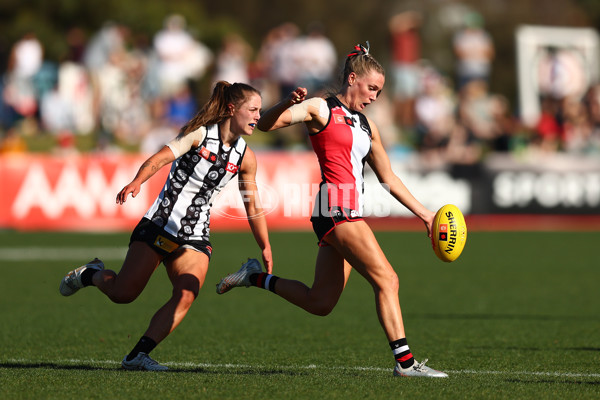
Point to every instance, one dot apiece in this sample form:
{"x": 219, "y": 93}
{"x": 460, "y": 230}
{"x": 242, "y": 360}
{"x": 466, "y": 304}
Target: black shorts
{"x": 163, "y": 242}
{"x": 323, "y": 224}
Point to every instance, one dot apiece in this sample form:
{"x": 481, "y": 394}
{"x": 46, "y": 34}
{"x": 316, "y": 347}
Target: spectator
{"x": 548, "y": 130}
{"x": 265, "y": 67}
{"x": 592, "y": 100}
{"x": 577, "y": 128}
{"x": 561, "y": 73}
{"x": 478, "y": 111}
{"x": 463, "y": 153}
{"x": 474, "y": 51}
{"x": 435, "y": 111}
{"x": 110, "y": 39}
{"x": 181, "y": 106}
{"x": 316, "y": 59}
{"x": 161, "y": 131}
{"x": 113, "y": 99}
{"x": 180, "y": 56}
{"x": 281, "y": 56}
{"x": 56, "y": 112}
{"x": 76, "y": 89}
{"x": 505, "y": 123}
{"x": 76, "y": 45}
{"x": 406, "y": 53}
{"x": 122, "y": 113}
{"x": 232, "y": 60}
{"x": 24, "y": 62}
{"x": 382, "y": 111}
{"x": 284, "y": 53}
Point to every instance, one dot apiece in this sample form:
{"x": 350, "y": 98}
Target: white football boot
{"x": 72, "y": 281}
{"x": 418, "y": 369}
{"x": 142, "y": 362}
{"x": 240, "y": 278}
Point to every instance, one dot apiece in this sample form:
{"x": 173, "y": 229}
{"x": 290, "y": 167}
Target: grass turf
{"x": 517, "y": 316}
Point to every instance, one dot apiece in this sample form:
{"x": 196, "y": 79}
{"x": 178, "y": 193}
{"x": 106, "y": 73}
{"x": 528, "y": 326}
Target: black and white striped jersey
{"x": 195, "y": 179}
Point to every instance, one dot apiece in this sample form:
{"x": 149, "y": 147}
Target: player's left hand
{"x": 298, "y": 95}
{"x": 132, "y": 188}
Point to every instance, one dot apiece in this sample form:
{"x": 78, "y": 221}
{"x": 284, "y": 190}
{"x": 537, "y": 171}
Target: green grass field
{"x": 517, "y": 316}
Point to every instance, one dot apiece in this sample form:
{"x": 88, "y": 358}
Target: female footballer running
{"x": 206, "y": 155}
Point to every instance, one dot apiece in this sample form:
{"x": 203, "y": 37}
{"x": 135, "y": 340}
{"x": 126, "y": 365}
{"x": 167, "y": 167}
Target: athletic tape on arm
{"x": 182, "y": 144}
{"x": 300, "y": 111}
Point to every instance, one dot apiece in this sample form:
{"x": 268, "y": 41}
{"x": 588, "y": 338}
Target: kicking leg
{"x": 359, "y": 246}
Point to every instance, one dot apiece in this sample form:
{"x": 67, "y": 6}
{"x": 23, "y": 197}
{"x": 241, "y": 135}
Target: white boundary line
{"x": 307, "y": 367}
{"x": 61, "y": 253}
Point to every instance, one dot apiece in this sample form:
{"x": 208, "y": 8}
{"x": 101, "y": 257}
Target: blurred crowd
{"x": 132, "y": 93}
{"x": 457, "y": 120}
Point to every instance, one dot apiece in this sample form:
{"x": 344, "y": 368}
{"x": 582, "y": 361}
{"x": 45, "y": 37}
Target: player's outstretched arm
{"x": 279, "y": 116}
{"x": 148, "y": 168}
{"x": 380, "y": 163}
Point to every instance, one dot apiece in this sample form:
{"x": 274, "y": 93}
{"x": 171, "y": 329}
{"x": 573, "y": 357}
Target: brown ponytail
{"x": 216, "y": 109}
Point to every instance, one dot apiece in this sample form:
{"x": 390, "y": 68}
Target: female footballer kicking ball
{"x": 206, "y": 155}
{"x": 343, "y": 138}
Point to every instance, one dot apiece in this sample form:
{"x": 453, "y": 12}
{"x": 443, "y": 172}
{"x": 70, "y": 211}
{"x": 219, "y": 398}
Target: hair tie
{"x": 360, "y": 50}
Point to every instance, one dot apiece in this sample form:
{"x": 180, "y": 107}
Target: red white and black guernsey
{"x": 196, "y": 177}
{"x": 342, "y": 147}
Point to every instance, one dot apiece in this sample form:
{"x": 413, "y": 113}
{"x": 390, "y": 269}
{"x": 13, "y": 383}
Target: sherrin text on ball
{"x": 449, "y": 233}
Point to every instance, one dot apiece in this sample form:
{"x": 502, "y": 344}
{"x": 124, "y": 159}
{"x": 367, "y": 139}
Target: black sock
{"x": 86, "y": 276}
{"x": 264, "y": 281}
{"x": 402, "y": 353}
{"x": 145, "y": 345}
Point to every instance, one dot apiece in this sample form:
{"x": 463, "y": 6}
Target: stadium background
{"x": 515, "y": 172}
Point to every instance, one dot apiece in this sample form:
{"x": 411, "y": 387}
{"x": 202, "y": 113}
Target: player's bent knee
{"x": 394, "y": 282}
{"x": 321, "y": 309}
{"x": 387, "y": 282}
{"x": 185, "y": 298}
{"x": 122, "y": 298}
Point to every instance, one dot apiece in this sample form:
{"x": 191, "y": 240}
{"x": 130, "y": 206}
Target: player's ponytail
{"x": 216, "y": 109}
{"x": 361, "y": 62}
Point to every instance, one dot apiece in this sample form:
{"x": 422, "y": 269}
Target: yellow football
{"x": 449, "y": 233}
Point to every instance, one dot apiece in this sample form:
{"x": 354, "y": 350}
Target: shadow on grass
{"x": 492, "y": 316}
{"x": 546, "y": 381}
{"x": 244, "y": 371}
{"x": 534, "y": 348}
{"x": 197, "y": 370}
{"x": 49, "y": 365}
{"x": 584, "y": 348}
